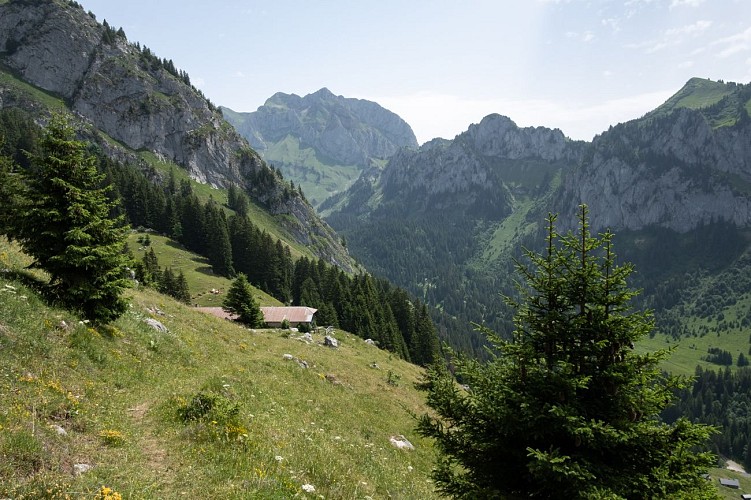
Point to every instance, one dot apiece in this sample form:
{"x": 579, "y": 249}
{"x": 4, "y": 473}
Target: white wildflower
{"x": 309, "y": 488}
{"x": 278, "y": 458}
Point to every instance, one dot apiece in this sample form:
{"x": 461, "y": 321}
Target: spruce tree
{"x": 567, "y": 408}
{"x": 182, "y": 290}
{"x": 240, "y": 301}
{"x": 64, "y": 222}
{"x": 9, "y": 190}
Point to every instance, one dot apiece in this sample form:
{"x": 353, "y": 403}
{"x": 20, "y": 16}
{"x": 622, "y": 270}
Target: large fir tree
{"x": 567, "y": 408}
{"x": 64, "y": 220}
{"x": 240, "y": 301}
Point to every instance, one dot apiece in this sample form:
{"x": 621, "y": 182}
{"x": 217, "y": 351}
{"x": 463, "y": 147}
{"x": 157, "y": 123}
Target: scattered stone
{"x": 332, "y": 378}
{"x": 79, "y": 469}
{"x": 330, "y": 341}
{"x": 63, "y": 326}
{"x": 156, "y": 325}
{"x": 301, "y": 362}
{"x": 307, "y": 337}
{"x": 60, "y": 431}
{"x": 155, "y": 311}
{"x": 374, "y": 365}
{"x": 370, "y": 341}
{"x": 401, "y": 442}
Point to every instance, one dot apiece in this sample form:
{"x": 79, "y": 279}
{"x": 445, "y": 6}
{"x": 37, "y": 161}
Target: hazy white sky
{"x": 578, "y": 65}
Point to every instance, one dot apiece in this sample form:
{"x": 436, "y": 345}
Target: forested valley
{"x": 362, "y": 304}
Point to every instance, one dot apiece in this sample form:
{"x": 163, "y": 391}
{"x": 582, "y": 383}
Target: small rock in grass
{"x": 330, "y": 341}
{"x": 79, "y": 469}
{"x": 59, "y": 430}
{"x": 156, "y": 325}
{"x": 288, "y": 357}
{"x": 401, "y": 442}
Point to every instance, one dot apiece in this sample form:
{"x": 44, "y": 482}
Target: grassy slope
{"x": 319, "y": 179}
{"x": 261, "y": 218}
{"x": 299, "y": 427}
{"x": 201, "y": 279}
{"x": 699, "y": 93}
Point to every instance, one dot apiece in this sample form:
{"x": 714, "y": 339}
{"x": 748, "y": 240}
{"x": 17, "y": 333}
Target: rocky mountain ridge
{"x": 143, "y": 103}
{"x": 322, "y": 141}
{"x": 346, "y": 130}
{"x": 472, "y": 202}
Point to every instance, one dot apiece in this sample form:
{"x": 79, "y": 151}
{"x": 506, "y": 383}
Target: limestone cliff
{"x": 322, "y": 141}
{"x": 144, "y": 103}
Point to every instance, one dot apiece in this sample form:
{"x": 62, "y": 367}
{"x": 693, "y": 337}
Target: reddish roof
{"x": 291, "y": 314}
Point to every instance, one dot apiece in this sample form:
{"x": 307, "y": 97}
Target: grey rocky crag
{"x": 322, "y": 141}
{"x": 445, "y": 221}
{"x": 129, "y": 94}
{"x": 676, "y": 172}
{"x": 348, "y": 131}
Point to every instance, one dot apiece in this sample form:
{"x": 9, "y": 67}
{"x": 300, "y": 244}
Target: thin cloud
{"x": 586, "y": 36}
{"x": 740, "y": 42}
{"x": 672, "y": 37}
{"x": 685, "y": 3}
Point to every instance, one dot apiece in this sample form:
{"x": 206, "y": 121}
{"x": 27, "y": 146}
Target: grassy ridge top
{"x": 117, "y": 391}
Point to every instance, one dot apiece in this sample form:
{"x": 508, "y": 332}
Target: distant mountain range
{"x": 446, "y": 219}
{"x": 322, "y": 141}
{"x": 443, "y": 220}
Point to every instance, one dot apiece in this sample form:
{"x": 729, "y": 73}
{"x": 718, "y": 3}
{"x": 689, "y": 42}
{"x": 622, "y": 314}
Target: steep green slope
{"x": 201, "y": 279}
{"x": 117, "y": 391}
{"x": 721, "y": 102}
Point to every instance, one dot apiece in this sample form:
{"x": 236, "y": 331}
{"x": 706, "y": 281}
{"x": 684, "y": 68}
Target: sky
{"x": 576, "y": 65}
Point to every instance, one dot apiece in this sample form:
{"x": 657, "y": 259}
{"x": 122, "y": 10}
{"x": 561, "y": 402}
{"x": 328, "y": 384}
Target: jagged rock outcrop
{"x": 499, "y": 136}
{"x": 322, "y": 142}
{"x": 477, "y": 158}
{"x": 144, "y": 103}
{"x": 676, "y": 171}
{"x": 347, "y": 131}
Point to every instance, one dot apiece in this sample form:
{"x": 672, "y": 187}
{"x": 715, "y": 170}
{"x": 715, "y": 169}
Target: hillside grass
{"x": 319, "y": 179}
{"x": 698, "y": 93}
{"x": 48, "y": 100}
{"x": 260, "y": 217}
{"x": 117, "y": 392}
{"x": 687, "y": 352}
{"x": 201, "y": 279}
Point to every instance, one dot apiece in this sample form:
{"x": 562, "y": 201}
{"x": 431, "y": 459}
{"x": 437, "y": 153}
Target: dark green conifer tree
{"x": 567, "y": 409}
{"x": 167, "y": 282}
{"x": 9, "y": 189}
{"x": 182, "y": 290}
{"x": 64, "y": 222}
{"x": 240, "y": 301}
{"x": 217, "y": 244}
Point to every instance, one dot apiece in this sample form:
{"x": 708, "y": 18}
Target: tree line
{"x": 721, "y": 398}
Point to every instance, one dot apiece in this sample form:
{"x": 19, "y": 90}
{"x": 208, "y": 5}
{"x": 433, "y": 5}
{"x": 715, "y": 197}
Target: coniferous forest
{"x": 361, "y": 304}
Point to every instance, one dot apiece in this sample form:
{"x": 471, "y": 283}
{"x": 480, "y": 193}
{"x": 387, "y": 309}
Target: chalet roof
{"x": 292, "y": 314}
{"x": 730, "y": 483}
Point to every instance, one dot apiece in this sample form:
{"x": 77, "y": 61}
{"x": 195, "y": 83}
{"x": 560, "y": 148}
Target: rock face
{"x": 322, "y": 142}
{"x": 676, "y": 172}
{"x": 144, "y": 103}
{"x": 348, "y": 131}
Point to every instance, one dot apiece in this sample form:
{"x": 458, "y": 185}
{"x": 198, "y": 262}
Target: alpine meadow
{"x": 305, "y": 301}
